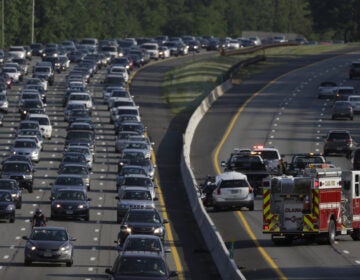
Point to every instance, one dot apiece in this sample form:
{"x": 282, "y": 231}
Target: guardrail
{"x": 220, "y": 254}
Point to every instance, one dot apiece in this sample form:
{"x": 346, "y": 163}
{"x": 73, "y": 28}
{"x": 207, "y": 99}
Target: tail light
{"x": 348, "y": 141}
{"x": 316, "y": 184}
{"x": 250, "y": 190}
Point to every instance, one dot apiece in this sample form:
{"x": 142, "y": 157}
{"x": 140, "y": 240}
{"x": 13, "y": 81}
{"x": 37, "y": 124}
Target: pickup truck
{"x": 251, "y": 165}
{"x": 299, "y": 162}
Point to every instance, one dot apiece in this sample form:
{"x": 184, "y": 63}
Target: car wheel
{"x": 69, "y": 263}
{"x": 30, "y": 189}
{"x": 27, "y": 262}
{"x": 356, "y": 235}
{"x": 12, "y": 219}
{"x": 19, "y": 204}
{"x": 333, "y": 117}
{"x": 251, "y": 207}
{"x": 331, "y": 232}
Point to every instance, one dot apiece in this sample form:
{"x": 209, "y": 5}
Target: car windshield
{"x": 142, "y": 244}
{"x": 42, "y": 121}
{"x": 137, "y": 181}
{"x": 137, "y": 195}
{"x": 25, "y": 144}
{"x": 233, "y": 184}
{"x": 70, "y": 195}
{"x": 16, "y": 167}
{"x": 8, "y": 185}
{"x": 5, "y": 196}
{"x": 49, "y": 234}
{"x": 81, "y": 136}
{"x": 141, "y": 266}
{"x": 302, "y": 162}
{"x": 270, "y": 155}
{"x": 74, "y": 158}
{"x": 132, "y": 145}
{"x": 69, "y": 181}
{"x": 130, "y": 170}
{"x": 144, "y": 217}
{"x": 71, "y": 169}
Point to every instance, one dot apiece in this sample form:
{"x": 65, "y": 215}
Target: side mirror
{"x": 72, "y": 239}
{"x": 108, "y": 271}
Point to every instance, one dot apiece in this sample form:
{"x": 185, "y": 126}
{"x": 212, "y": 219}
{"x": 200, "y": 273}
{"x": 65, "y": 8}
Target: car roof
{"x": 230, "y": 175}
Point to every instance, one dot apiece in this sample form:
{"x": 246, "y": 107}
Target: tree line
{"x": 27, "y": 21}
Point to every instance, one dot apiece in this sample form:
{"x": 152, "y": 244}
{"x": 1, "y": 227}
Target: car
{"x": 26, "y": 147}
{"x": 23, "y": 63}
{"x": 32, "y": 134}
{"x": 343, "y": 92}
{"x": 139, "y": 145}
{"x": 44, "y": 123}
{"x": 115, "y": 103}
{"x": 164, "y": 52}
{"x": 4, "y": 103}
{"x": 128, "y": 170}
{"x": 72, "y": 106}
{"x": 232, "y": 191}
{"x": 342, "y": 110}
{"x": 70, "y": 203}
{"x": 302, "y": 160}
{"x": 76, "y": 114}
{"x": 44, "y": 71}
{"x": 152, "y": 49}
{"x": 354, "y": 101}
{"x": 127, "y": 110}
{"x": 20, "y": 170}
{"x": 80, "y": 137}
{"x": 26, "y": 124}
{"x": 143, "y": 162}
{"x": 80, "y": 125}
{"x": 133, "y": 197}
{"x": 354, "y": 71}
{"x": 142, "y": 221}
{"x": 49, "y": 244}
{"x": 17, "y": 51}
{"x": 271, "y": 156}
{"x": 7, "y": 206}
{"x": 140, "y": 265}
{"x": 119, "y": 70}
{"x": 84, "y": 150}
{"x": 338, "y": 142}
{"x": 82, "y": 98}
{"x": 76, "y": 56}
{"x": 13, "y": 73}
{"x": 136, "y": 180}
{"x": 28, "y": 104}
{"x": 77, "y": 169}
{"x": 73, "y": 157}
{"x": 279, "y": 39}
{"x": 64, "y": 181}
{"x": 37, "y": 81}
{"x": 145, "y": 243}
{"x": 327, "y": 89}
{"x": 40, "y": 88}
{"x": 12, "y": 186}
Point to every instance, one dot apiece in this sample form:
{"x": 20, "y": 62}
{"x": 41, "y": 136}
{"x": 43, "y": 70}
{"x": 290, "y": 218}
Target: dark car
{"x": 50, "y": 245}
{"x": 354, "y": 71}
{"x": 7, "y": 206}
{"x": 70, "y": 203}
{"x": 81, "y": 137}
{"x": 12, "y": 186}
{"x": 73, "y": 157}
{"x": 140, "y": 265}
{"x": 338, "y": 142}
{"x": 213, "y": 45}
{"x": 21, "y": 171}
{"x": 29, "y": 104}
{"x": 142, "y": 221}
{"x": 77, "y": 169}
{"x": 37, "y": 49}
{"x": 342, "y": 110}
{"x": 300, "y": 161}
{"x": 76, "y": 114}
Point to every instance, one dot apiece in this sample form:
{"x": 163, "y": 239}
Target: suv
{"x": 232, "y": 190}
{"x": 338, "y": 142}
{"x": 140, "y": 265}
{"x": 354, "y": 71}
{"x": 300, "y": 161}
{"x": 343, "y": 110}
{"x": 21, "y": 171}
{"x": 271, "y": 157}
{"x": 142, "y": 221}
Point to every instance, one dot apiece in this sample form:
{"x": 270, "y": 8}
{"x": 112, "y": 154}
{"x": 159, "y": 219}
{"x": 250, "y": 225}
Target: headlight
{"x": 58, "y": 206}
{"x": 82, "y": 206}
{"x": 27, "y": 177}
{"x": 65, "y": 248}
{"x": 14, "y": 195}
{"x": 9, "y": 207}
{"x": 158, "y": 230}
{"x": 31, "y": 247}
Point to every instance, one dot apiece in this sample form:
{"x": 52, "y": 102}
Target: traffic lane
{"x": 216, "y": 123}
{"x": 166, "y": 130}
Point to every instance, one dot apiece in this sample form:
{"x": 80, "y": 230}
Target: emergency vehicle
{"x": 319, "y": 205}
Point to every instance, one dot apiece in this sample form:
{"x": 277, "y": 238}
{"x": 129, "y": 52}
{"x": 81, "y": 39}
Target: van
{"x": 44, "y": 123}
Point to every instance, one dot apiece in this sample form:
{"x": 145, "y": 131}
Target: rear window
{"x": 339, "y": 135}
{"x": 233, "y": 184}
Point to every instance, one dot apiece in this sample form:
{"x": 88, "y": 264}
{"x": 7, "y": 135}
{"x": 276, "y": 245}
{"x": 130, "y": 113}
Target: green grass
{"x": 184, "y": 88}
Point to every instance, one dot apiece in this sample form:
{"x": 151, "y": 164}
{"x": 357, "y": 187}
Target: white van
{"x": 44, "y": 123}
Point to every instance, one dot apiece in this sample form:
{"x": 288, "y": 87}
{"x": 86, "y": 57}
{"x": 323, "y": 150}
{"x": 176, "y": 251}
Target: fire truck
{"x": 319, "y": 205}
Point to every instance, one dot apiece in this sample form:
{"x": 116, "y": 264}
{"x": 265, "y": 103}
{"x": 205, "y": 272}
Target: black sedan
{"x": 70, "y": 203}
{"x": 142, "y": 221}
{"x": 7, "y": 206}
{"x": 49, "y": 244}
{"x": 12, "y": 186}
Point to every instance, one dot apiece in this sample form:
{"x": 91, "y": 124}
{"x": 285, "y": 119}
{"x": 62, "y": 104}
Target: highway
{"x": 288, "y": 115}
{"x": 94, "y": 248}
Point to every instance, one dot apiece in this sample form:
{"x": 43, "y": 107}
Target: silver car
{"x": 85, "y": 150}
{"x": 64, "y": 181}
{"x": 77, "y": 169}
{"x": 26, "y": 147}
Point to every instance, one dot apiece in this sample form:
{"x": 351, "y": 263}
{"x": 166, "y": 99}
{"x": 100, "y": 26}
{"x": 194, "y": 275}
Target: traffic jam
{"x": 48, "y": 101}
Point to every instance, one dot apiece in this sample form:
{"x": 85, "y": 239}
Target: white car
{"x": 108, "y": 92}
{"x": 17, "y": 51}
{"x": 152, "y": 49}
{"x": 119, "y": 70}
{"x": 13, "y": 73}
{"x": 44, "y": 124}
{"x": 232, "y": 190}
{"x": 164, "y": 52}
{"x": 37, "y": 81}
{"x": 271, "y": 157}
{"x": 82, "y": 98}
{"x": 4, "y": 104}
{"x": 234, "y": 44}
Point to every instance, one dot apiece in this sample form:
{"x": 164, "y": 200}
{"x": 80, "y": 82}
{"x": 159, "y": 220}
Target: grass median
{"x": 185, "y": 87}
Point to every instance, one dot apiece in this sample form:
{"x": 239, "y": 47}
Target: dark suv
{"x": 21, "y": 171}
{"x": 354, "y": 71}
{"x": 142, "y": 221}
{"x": 338, "y": 142}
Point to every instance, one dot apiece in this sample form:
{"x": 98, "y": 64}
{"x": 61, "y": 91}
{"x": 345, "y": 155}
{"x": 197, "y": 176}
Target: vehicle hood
{"x": 46, "y": 244}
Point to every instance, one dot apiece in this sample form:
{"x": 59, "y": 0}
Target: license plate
{"x": 234, "y": 191}
{"x": 338, "y": 148}
{"x": 47, "y": 254}
{"x": 69, "y": 212}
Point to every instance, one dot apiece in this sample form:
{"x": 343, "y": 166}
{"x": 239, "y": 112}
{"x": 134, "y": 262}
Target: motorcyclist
{"x": 38, "y": 219}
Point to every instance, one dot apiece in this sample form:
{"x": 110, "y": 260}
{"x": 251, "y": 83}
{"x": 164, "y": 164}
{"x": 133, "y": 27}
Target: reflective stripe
{"x": 329, "y": 205}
